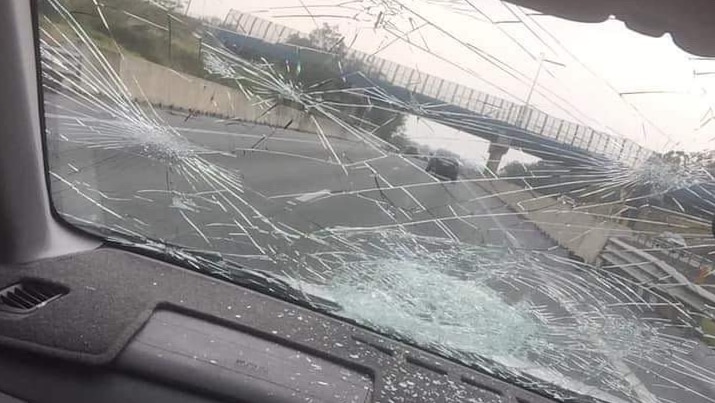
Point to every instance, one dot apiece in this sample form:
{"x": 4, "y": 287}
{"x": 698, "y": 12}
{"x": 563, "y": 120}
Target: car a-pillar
{"x": 497, "y": 149}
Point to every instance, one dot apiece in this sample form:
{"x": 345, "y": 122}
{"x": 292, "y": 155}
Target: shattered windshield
{"x": 528, "y": 195}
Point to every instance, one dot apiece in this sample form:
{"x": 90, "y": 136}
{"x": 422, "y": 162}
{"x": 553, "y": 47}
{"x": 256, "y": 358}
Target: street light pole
{"x": 200, "y": 39}
{"x": 533, "y": 83}
{"x": 520, "y": 119}
{"x": 168, "y": 26}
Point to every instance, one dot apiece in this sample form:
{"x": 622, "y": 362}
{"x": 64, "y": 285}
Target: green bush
{"x": 151, "y": 36}
{"x": 708, "y": 326}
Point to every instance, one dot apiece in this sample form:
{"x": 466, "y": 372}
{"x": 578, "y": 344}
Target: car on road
{"x": 443, "y": 168}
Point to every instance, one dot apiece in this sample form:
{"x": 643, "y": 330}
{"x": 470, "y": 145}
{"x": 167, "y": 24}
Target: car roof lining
{"x": 690, "y": 23}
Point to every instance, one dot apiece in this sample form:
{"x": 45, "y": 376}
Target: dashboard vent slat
{"x": 27, "y": 296}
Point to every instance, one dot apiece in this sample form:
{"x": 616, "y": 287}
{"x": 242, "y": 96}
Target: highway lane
{"x": 288, "y": 174}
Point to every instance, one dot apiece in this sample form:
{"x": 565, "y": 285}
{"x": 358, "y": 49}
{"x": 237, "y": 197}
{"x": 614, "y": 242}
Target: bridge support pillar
{"x": 497, "y": 149}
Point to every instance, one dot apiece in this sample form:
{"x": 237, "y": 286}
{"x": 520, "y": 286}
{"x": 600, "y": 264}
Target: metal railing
{"x": 529, "y": 119}
{"x": 700, "y": 269}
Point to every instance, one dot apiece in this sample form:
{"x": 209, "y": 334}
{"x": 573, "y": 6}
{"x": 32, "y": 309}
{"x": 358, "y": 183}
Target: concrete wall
{"x": 158, "y": 84}
{"x": 581, "y": 231}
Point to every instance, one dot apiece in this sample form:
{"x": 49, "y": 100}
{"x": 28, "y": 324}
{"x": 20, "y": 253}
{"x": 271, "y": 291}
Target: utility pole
{"x": 168, "y": 25}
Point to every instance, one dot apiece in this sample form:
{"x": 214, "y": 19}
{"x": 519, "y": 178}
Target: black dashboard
{"x": 130, "y": 328}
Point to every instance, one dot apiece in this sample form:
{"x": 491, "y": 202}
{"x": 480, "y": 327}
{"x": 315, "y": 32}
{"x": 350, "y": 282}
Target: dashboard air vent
{"x": 27, "y": 296}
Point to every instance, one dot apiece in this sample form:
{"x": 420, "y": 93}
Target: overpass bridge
{"x": 503, "y": 123}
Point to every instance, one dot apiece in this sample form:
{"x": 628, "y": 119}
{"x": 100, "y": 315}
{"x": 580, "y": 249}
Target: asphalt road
{"x": 289, "y": 176}
{"x": 175, "y": 188}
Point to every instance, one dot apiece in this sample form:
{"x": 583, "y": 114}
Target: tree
{"x": 212, "y": 20}
{"x": 329, "y": 68}
{"x": 319, "y": 65}
{"x": 552, "y": 177}
{"x": 514, "y": 170}
{"x": 324, "y": 60}
{"x": 171, "y": 5}
{"x": 142, "y": 36}
{"x": 326, "y": 38}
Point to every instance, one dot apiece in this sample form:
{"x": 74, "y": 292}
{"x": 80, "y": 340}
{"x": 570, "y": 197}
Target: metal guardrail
{"x": 703, "y": 268}
{"x": 529, "y": 119}
{"x": 668, "y": 276}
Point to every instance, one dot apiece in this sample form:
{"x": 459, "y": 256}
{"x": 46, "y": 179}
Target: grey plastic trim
{"x": 28, "y": 230}
{"x": 182, "y": 350}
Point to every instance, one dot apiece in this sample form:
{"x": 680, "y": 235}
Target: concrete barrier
{"x": 580, "y": 230}
{"x": 160, "y": 85}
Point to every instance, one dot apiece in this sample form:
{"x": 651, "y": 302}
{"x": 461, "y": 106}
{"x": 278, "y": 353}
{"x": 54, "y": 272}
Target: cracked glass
{"x": 528, "y": 195}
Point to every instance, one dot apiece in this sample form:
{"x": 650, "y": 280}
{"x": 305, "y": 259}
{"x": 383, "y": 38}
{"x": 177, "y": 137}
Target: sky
{"x": 602, "y": 75}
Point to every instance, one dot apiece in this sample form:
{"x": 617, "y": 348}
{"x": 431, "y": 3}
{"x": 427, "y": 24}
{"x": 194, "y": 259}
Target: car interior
{"x": 85, "y": 318}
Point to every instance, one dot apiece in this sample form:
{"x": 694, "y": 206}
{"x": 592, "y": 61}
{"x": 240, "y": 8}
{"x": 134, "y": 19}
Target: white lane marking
{"x": 306, "y": 197}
